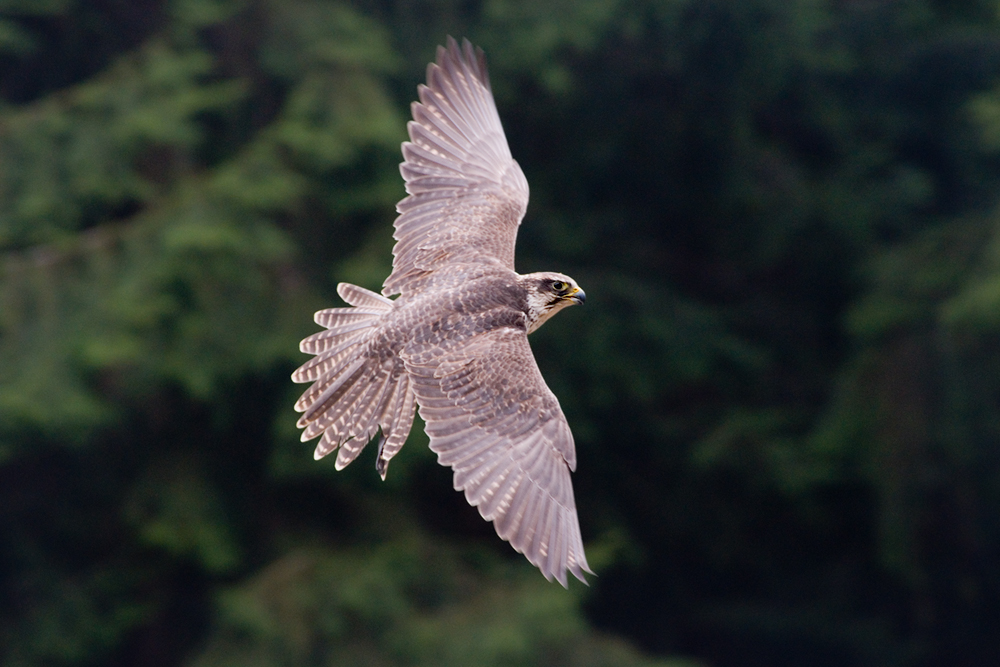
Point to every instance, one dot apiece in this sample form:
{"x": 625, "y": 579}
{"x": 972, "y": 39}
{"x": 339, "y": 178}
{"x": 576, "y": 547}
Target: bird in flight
{"x": 454, "y": 343}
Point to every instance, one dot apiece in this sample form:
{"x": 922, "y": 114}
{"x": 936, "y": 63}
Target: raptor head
{"x": 548, "y": 293}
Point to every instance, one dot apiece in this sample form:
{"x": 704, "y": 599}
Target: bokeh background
{"x": 784, "y": 385}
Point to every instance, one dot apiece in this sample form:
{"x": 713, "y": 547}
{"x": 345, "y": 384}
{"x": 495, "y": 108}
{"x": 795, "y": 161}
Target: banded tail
{"x": 357, "y": 389}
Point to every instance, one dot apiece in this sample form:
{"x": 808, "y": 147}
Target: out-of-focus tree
{"x": 782, "y": 388}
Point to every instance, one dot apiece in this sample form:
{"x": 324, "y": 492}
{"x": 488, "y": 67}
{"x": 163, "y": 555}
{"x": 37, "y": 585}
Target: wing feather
{"x": 488, "y": 412}
{"x": 467, "y": 195}
{"x": 492, "y": 419}
{"x": 525, "y": 525}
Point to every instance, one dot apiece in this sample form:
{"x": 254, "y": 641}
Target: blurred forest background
{"x": 785, "y": 386}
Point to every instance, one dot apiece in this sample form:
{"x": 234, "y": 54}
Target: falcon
{"x": 454, "y": 342}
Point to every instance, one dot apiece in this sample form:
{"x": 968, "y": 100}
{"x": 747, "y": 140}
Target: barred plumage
{"x": 454, "y": 343}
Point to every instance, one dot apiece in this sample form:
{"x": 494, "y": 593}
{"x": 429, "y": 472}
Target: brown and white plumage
{"x": 454, "y": 343}
{"x": 467, "y": 194}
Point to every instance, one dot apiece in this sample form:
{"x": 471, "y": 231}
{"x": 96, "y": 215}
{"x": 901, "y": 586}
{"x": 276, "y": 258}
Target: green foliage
{"x": 134, "y": 262}
{"x": 71, "y": 621}
{"x": 408, "y": 602}
{"x": 173, "y": 507}
{"x": 783, "y": 388}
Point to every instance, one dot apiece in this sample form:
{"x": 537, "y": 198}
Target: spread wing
{"x": 467, "y": 195}
{"x": 491, "y": 417}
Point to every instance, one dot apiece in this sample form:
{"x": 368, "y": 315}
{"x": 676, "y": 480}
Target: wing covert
{"x": 467, "y": 195}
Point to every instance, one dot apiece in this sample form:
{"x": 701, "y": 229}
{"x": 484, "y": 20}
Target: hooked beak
{"x": 578, "y": 297}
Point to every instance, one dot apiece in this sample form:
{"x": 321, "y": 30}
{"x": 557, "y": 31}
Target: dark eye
{"x": 559, "y": 286}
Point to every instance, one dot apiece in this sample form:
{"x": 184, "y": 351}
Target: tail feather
{"x": 332, "y": 422}
{"x": 336, "y": 317}
{"x": 361, "y": 297}
{"x": 391, "y": 414}
{"x": 365, "y": 418}
{"x": 322, "y": 364}
{"x": 355, "y": 389}
{"x": 326, "y": 391}
{"x": 339, "y": 418}
{"x": 401, "y": 421}
{"x": 361, "y": 425}
{"x": 393, "y": 402}
{"x": 323, "y": 341}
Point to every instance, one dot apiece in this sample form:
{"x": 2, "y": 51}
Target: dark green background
{"x": 784, "y": 386}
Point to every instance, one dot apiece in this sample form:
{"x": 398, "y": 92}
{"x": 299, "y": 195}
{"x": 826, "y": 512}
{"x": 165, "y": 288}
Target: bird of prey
{"x": 455, "y": 341}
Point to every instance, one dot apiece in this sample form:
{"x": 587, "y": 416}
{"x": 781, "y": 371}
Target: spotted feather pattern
{"x": 492, "y": 419}
{"x": 467, "y": 195}
{"x": 357, "y": 387}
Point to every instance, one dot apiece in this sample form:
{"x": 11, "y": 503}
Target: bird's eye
{"x": 559, "y": 286}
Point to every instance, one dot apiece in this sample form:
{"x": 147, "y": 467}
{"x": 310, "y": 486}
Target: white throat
{"x": 539, "y": 310}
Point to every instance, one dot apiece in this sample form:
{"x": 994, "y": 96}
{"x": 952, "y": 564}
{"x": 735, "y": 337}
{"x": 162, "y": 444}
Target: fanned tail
{"x": 356, "y": 388}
